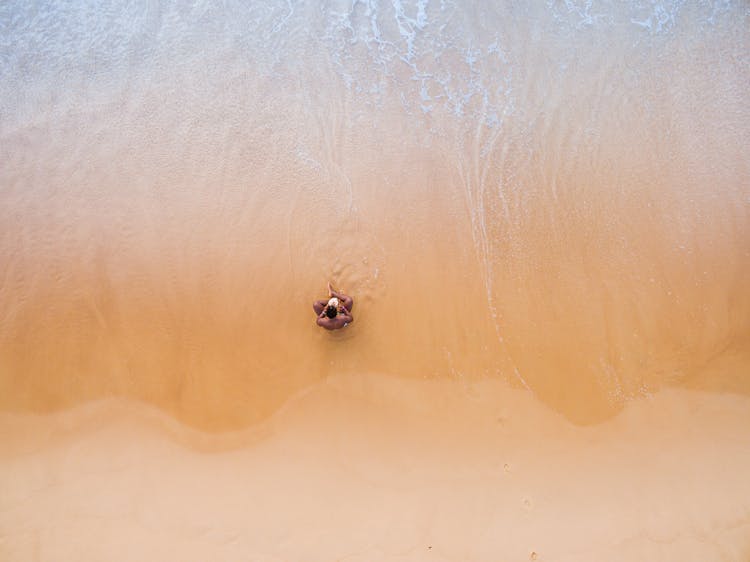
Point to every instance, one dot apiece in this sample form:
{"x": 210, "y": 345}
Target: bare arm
{"x": 347, "y": 318}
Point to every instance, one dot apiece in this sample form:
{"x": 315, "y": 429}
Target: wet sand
{"x": 535, "y": 211}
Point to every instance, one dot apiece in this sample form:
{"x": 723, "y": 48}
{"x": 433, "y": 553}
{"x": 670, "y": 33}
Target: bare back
{"x": 336, "y": 323}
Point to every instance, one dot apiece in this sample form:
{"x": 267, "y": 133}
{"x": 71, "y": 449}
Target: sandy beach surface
{"x": 541, "y": 209}
{"x": 373, "y": 468}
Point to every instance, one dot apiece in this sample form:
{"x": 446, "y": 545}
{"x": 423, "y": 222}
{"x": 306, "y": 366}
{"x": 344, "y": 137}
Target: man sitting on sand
{"x": 336, "y": 312}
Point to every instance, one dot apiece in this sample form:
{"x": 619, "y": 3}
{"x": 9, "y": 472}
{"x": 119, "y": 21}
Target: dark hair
{"x": 331, "y": 311}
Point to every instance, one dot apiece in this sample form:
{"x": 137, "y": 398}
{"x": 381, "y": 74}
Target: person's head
{"x": 332, "y": 308}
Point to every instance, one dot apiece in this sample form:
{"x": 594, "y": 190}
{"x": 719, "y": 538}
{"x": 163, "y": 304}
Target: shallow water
{"x": 553, "y": 193}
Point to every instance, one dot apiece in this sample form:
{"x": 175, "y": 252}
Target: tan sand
{"x": 371, "y": 468}
{"x": 541, "y": 209}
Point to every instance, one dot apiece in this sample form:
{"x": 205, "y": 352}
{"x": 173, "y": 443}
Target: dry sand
{"x": 371, "y": 468}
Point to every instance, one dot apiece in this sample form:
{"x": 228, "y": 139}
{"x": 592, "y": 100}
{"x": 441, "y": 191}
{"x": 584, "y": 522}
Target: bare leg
{"x": 319, "y": 306}
{"x": 346, "y": 300}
